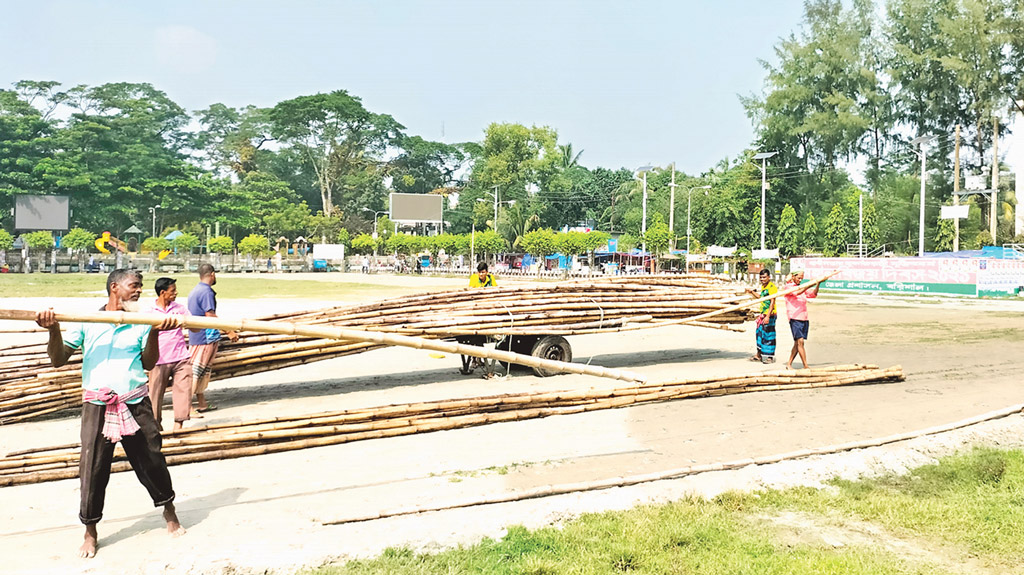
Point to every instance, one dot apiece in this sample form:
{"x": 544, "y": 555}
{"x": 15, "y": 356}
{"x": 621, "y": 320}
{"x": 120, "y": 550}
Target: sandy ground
{"x": 264, "y": 514}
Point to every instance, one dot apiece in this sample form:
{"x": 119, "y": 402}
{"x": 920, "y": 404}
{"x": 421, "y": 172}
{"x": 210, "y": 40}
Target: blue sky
{"x": 630, "y": 83}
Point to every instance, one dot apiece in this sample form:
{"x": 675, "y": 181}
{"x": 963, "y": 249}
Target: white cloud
{"x": 184, "y": 49}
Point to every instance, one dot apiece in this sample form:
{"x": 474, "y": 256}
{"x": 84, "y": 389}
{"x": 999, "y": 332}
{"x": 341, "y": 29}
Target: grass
{"x": 228, "y": 287}
{"x": 967, "y": 510}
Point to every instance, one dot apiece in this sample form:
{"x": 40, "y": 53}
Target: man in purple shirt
{"x": 173, "y": 366}
{"x": 204, "y": 342}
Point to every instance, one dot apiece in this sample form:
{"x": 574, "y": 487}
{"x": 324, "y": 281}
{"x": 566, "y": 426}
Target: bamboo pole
{"x": 198, "y": 322}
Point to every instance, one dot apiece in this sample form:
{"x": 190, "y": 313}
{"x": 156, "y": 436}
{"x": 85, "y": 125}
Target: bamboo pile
{"x": 262, "y": 436}
{"x": 30, "y": 388}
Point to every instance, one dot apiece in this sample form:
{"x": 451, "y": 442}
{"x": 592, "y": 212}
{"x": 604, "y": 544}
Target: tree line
{"x": 850, "y": 87}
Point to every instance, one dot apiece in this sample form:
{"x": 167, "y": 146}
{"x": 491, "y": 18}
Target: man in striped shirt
{"x": 116, "y": 406}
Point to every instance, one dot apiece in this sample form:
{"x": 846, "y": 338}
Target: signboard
{"x": 765, "y": 254}
{"x": 954, "y": 212}
{"x": 37, "y": 212}
{"x": 974, "y": 182}
{"x": 332, "y": 252}
{"x": 410, "y": 208}
{"x": 950, "y": 276}
{"x": 1000, "y": 277}
{"x": 613, "y": 245}
{"x": 720, "y": 252}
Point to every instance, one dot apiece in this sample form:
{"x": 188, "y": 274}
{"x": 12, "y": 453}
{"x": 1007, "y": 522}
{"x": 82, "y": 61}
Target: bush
{"x": 39, "y": 240}
{"x": 254, "y": 245}
{"x": 155, "y": 245}
{"x": 78, "y": 239}
{"x": 6, "y": 240}
{"x": 185, "y": 243}
{"x": 220, "y": 245}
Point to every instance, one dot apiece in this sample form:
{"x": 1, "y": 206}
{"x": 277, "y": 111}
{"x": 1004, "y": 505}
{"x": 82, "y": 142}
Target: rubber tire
{"x": 553, "y": 347}
{"x": 521, "y": 344}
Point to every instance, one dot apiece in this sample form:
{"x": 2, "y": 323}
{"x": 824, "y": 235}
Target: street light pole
{"x": 921, "y": 141}
{"x": 672, "y": 210}
{"x": 763, "y": 156}
{"x": 689, "y": 195}
{"x": 643, "y": 223}
{"x": 495, "y": 208}
{"x": 153, "y": 211}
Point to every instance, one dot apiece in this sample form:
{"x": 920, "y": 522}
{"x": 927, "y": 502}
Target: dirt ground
{"x": 264, "y": 514}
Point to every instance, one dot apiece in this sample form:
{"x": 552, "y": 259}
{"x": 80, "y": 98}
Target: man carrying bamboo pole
{"x": 796, "y": 310}
{"x": 204, "y": 342}
{"x": 173, "y": 366}
{"x": 116, "y": 406}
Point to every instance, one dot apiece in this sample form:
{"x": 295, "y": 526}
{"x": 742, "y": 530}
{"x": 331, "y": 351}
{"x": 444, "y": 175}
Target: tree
{"x": 6, "y": 240}
{"x": 364, "y": 244}
{"x": 658, "y": 238}
{"x": 944, "y": 234}
{"x": 38, "y": 240}
{"x": 489, "y": 242}
{"x": 809, "y": 236}
{"x": 254, "y": 245}
{"x": 338, "y": 138}
{"x": 835, "y": 232}
{"x": 155, "y": 245}
{"x": 789, "y": 233}
{"x": 425, "y": 166}
{"x": 220, "y": 245}
{"x": 344, "y": 238}
{"x": 78, "y": 239}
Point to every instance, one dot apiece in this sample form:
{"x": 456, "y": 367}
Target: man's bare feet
{"x": 177, "y": 426}
{"x": 789, "y": 366}
{"x": 173, "y": 526}
{"x": 89, "y": 545}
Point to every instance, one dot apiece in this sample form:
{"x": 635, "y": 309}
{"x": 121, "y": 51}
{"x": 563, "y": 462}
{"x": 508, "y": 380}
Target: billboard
{"x": 417, "y": 208}
{"x": 35, "y": 212}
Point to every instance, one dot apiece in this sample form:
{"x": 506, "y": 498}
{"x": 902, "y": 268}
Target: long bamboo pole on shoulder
{"x": 286, "y": 328}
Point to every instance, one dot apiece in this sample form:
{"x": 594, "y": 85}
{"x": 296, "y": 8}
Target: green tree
{"x": 254, "y": 245}
{"x": 155, "y": 245}
{"x": 338, "y": 139}
{"x": 788, "y": 240}
{"x": 489, "y": 242}
{"x": 38, "y": 240}
{"x": 809, "y": 236}
{"x": 78, "y": 239}
{"x": 424, "y": 166}
{"x": 185, "y": 243}
{"x": 835, "y": 232}
{"x": 6, "y": 240}
{"x": 220, "y": 245}
{"x": 344, "y": 238}
{"x": 364, "y": 244}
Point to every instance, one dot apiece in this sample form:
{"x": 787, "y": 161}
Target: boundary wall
{"x": 977, "y": 277}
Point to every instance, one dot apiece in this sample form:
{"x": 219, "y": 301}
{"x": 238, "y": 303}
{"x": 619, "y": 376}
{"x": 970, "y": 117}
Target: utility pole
{"x": 495, "y": 208}
{"x": 643, "y": 223}
{"x": 993, "y": 219}
{"x": 922, "y": 141}
{"x": 672, "y": 208}
{"x": 956, "y": 189}
{"x": 860, "y": 225}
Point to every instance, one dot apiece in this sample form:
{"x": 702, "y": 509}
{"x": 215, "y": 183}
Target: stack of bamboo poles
{"x": 29, "y": 387}
{"x": 258, "y": 437}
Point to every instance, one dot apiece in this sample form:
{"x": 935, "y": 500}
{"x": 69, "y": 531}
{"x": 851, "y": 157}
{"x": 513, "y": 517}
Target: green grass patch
{"x": 228, "y": 287}
{"x": 973, "y": 501}
{"x": 967, "y": 511}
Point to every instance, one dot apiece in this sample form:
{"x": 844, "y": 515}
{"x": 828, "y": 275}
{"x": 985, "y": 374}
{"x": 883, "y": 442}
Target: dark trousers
{"x": 142, "y": 449}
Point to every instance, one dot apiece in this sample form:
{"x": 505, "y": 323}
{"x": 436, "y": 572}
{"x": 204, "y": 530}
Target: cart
{"x": 553, "y": 347}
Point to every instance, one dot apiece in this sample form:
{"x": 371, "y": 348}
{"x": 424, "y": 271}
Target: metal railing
{"x": 1013, "y": 251}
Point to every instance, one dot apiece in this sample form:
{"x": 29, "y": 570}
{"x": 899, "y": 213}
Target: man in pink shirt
{"x": 173, "y": 366}
{"x": 796, "y": 310}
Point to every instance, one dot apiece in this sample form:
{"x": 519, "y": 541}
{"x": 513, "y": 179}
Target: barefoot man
{"x": 116, "y": 406}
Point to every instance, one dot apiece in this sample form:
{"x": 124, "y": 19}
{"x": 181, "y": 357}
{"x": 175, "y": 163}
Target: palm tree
{"x": 517, "y": 223}
{"x": 569, "y": 160}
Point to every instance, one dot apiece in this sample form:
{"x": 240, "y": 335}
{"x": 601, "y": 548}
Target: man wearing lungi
{"x": 116, "y": 407}
{"x": 204, "y": 342}
{"x": 765, "y": 333}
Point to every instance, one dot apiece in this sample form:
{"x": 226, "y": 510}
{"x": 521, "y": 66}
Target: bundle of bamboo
{"x": 29, "y": 387}
{"x": 257, "y": 437}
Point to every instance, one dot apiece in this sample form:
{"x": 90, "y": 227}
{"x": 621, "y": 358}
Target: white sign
{"x": 974, "y": 182}
{"x": 765, "y": 254}
{"x": 720, "y": 252}
{"x": 333, "y": 252}
{"x": 954, "y": 212}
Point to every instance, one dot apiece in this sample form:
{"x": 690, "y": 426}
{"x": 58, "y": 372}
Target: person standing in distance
{"x": 116, "y": 406}
{"x": 765, "y": 333}
{"x": 796, "y": 310}
{"x": 173, "y": 366}
{"x": 204, "y": 342}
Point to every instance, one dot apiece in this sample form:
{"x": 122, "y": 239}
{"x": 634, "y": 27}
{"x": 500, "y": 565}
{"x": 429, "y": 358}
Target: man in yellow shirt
{"x": 482, "y": 278}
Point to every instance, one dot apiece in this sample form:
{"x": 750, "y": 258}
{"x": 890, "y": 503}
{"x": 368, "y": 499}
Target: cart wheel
{"x": 554, "y": 347}
{"x": 521, "y": 344}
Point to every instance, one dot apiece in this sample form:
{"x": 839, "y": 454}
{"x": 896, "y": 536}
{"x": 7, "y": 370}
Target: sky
{"x": 628, "y": 82}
